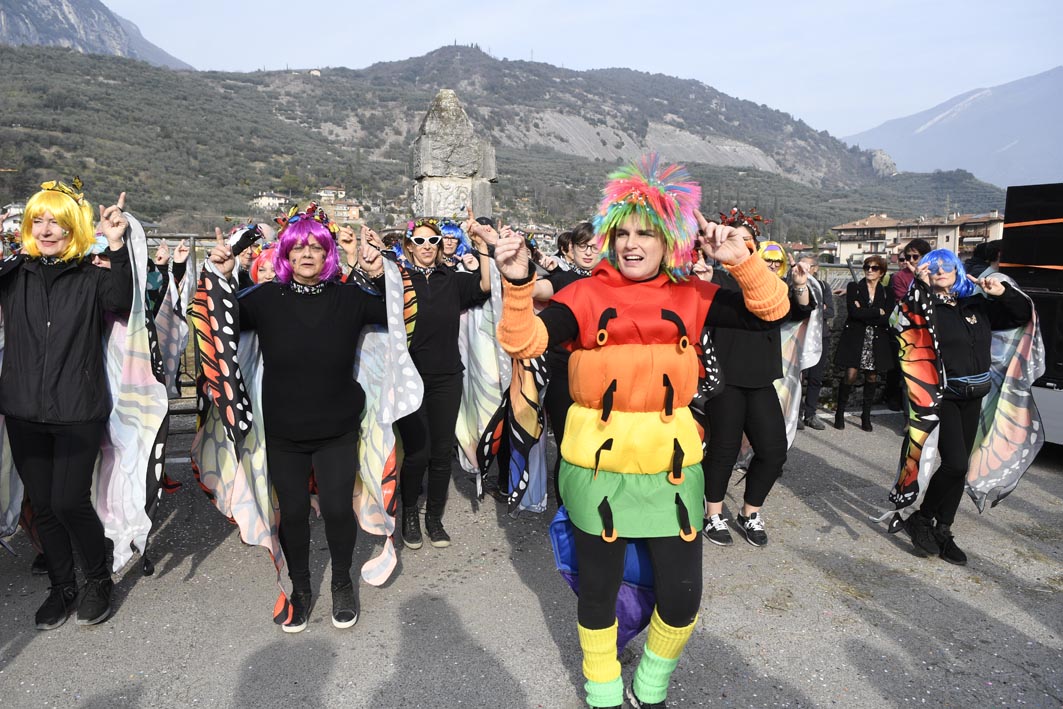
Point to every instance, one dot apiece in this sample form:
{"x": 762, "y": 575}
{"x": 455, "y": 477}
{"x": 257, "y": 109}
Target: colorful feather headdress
{"x": 739, "y": 218}
{"x": 664, "y": 197}
{"x": 312, "y": 211}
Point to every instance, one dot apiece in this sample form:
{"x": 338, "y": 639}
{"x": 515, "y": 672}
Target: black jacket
{"x": 53, "y": 338}
{"x": 862, "y": 313}
{"x": 965, "y": 330}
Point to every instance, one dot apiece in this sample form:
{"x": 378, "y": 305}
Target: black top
{"x": 441, "y": 296}
{"x": 557, "y": 355}
{"x": 309, "y": 344}
{"x": 54, "y": 326}
{"x": 964, "y": 331}
{"x": 752, "y": 358}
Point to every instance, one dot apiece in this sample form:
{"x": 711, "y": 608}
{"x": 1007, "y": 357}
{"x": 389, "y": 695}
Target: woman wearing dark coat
{"x": 865, "y": 341}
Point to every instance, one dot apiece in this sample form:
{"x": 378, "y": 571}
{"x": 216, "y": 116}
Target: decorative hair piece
{"x": 664, "y": 197}
{"x": 739, "y": 218}
{"x": 73, "y": 190}
{"x": 772, "y": 251}
{"x": 311, "y": 212}
{"x": 432, "y": 223}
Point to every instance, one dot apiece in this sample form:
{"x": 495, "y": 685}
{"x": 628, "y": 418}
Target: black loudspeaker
{"x": 1050, "y": 314}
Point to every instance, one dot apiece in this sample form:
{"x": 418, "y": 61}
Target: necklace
{"x": 426, "y": 271}
{"x": 51, "y": 260}
{"x": 581, "y": 272}
{"x": 947, "y": 298}
{"x": 302, "y": 289}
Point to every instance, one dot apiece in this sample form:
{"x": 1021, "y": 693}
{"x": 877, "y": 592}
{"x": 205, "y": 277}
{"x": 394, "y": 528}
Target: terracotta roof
{"x": 874, "y": 221}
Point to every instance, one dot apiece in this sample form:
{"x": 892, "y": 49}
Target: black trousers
{"x": 428, "y": 442}
{"x": 959, "y": 423}
{"x": 676, "y": 578}
{"x": 334, "y": 463}
{"x": 557, "y": 401}
{"x": 814, "y": 383}
{"x": 758, "y": 414}
{"x": 56, "y": 462}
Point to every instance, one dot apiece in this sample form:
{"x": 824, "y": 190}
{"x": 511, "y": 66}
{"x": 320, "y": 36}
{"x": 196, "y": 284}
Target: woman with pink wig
{"x": 308, "y": 326}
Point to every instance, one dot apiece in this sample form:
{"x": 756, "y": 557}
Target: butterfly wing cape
{"x": 172, "y": 326}
{"x": 1009, "y": 433}
{"x": 126, "y": 482}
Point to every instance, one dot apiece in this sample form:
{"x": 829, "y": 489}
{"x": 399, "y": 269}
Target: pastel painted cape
{"x": 229, "y": 455}
{"x": 172, "y": 326}
{"x": 125, "y": 487}
{"x": 1009, "y": 432}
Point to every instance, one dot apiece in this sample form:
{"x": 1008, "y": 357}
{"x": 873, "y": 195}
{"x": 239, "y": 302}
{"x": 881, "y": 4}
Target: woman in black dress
{"x": 865, "y": 342}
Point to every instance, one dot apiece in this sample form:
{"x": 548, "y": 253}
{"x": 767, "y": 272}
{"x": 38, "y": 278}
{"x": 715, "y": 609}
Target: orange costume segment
{"x": 520, "y": 333}
{"x": 765, "y": 293}
{"x": 653, "y": 377}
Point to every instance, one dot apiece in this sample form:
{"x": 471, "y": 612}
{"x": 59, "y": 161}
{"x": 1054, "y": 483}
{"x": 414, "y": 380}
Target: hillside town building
{"x": 880, "y": 234}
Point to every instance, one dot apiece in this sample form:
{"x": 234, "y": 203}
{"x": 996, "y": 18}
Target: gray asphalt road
{"x": 834, "y": 612}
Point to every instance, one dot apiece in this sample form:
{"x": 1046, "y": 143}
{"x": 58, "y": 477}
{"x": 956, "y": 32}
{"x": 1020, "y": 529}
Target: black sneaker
{"x": 300, "y": 602}
{"x": 752, "y": 528}
{"x": 922, "y": 535}
{"x": 637, "y": 703}
{"x": 56, "y": 607}
{"x": 39, "y": 566}
{"x": 717, "y": 531}
{"x": 344, "y": 606}
{"x": 949, "y": 551}
{"x": 95, "y": 604}
{"x": 437, "y": 536}
{"x": 814, "y": 423}
{"x": 411, "y": 528}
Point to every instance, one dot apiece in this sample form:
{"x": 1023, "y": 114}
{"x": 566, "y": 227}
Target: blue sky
{"x": 841, "y": 66}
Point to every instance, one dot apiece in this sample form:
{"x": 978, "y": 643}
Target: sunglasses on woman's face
{"x": 870, "y": 268}
{"x": 911, "y": 257}
{"x": 422, "y": 240}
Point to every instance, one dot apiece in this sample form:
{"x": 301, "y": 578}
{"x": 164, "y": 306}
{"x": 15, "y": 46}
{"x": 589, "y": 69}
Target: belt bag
{"x": 966, "y": 388}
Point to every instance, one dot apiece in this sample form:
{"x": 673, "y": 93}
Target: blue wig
{"x": 451, "y": 228}
{"x": 948, "y": 261}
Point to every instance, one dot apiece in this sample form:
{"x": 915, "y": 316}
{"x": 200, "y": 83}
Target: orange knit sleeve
{"x": 766, "y": 295}
{"x": 520, "y": 333}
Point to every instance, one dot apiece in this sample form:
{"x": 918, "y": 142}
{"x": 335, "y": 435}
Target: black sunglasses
{"x": 422, "y": 240}
{"x": 911, "y": 257}
{"x": 871, "y": 267}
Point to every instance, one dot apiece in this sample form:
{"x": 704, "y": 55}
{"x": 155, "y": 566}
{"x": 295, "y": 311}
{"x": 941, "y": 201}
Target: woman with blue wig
{"x": 963, "y": 322}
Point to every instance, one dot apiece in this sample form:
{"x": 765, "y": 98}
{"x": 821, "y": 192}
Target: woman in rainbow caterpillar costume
{"x": 632, "y": 450}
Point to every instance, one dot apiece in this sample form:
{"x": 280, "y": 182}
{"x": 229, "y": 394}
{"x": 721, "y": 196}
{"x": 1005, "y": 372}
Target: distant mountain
{"x": 1007, "y": 135}
{"x": 85, "y": 25}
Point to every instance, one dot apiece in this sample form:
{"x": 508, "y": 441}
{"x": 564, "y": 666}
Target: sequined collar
{"x": 581, "y": 272}
{"x": 51, "y": 260}
{"x": 946, "y": 298}
{"x": 316, "y": 289}
{"x": 425, "y": 271}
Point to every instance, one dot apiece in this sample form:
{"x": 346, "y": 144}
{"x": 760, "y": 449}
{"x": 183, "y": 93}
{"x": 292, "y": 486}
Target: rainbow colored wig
{"x": 296, "y": 234}
{"x": 664, "y": 198}
{"x": 947, "y": 261}
{"x": 70, "y": 209}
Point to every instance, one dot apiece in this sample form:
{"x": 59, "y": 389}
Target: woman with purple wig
{"x": 308, "y": 327}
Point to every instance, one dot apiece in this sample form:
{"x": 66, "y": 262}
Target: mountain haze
{"x": 85, "y": 25}
{"x": 1007, "y": 135}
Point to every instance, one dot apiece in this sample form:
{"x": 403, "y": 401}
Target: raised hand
{"x": 368, "y": 236}
{"x": 722, "y": 243}
{"x": 370, "y": 259}
{"x": 181, "y": 252}
{"x": 480, "y": 231}
{"x": 511, "y": 257}
{"x": 990, "y": 286}
{"x": 471, "y": 262}
{"x": 347, "y": 241}
{"x": 113, "y": 223}
{"x": 923, "y": 273}
{"x": 222, "y": 255}
{"x": 162, "y": 254}
{"x": 799, "y": 274}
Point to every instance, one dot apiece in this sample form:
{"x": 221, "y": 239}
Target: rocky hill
{"x": 85, "y": 25}
{"x": 193, "y": 146}
{"x": 1006, "y": 135}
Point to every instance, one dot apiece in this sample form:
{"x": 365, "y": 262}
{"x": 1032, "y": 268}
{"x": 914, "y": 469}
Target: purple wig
{"x": 296, "y": 234}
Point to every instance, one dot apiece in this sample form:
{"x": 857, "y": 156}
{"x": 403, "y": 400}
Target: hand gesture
{"x": 722, "y": 243}
{"x": 511, "y": 256}
{"x": 549, "y": 263}
{"x": 799, "y": 274}
{"x": 990, "y": 286}
{"x": 162, "y": 254}
{"x": 476, "y": 230}
{"x": 370, "y": 259}
{"x": 181, "y": 252}
{"x": 923, "y": 273}
{"x": 471, "y": 262}
{"x": 113, "y": 223}
{"x": 347, "y": 242}
{"x": 222, "y": 255}
{"x": 368, "y": 236}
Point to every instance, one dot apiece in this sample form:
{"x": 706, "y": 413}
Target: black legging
{"x": 814, "y": 383}
{"x": 676, "y": 578}
{"x": 959, "y": 423}
{"x": 56, "y": 462}
{"x": 334, "y": 462}
{"x": 758, "y": 414}
{"x": 428, "y": 441}
{"x": 557, "y": 401}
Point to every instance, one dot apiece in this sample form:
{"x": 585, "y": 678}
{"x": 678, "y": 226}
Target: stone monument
{"x": 452, "y": 169}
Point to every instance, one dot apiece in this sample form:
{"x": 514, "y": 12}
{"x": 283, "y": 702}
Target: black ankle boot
{"x": 411, "y": 528}
{"x": 921, "y": 532}
{"x": 949, "y": 551}
{"x": 843, "y": 399}
{"x": 56, "y": 607}
{"x": 437, "y": 536}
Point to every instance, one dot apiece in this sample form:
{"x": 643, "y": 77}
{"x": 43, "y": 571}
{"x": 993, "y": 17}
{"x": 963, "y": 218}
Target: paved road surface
{"x": 834, "y": 612}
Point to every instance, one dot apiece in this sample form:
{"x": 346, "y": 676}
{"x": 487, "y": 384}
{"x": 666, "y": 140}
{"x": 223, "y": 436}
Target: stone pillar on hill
{"x": 451, "y": 167}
